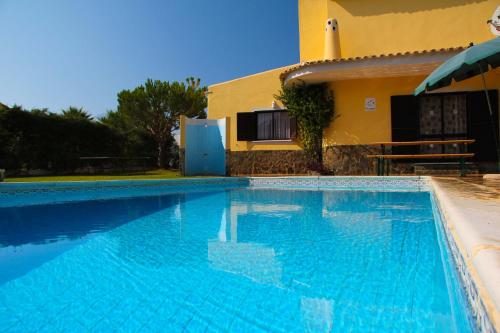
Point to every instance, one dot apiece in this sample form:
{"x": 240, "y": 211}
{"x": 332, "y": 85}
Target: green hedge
{"x": 31, "y": 140}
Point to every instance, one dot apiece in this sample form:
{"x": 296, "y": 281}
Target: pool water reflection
{"x": 228, "y": 260}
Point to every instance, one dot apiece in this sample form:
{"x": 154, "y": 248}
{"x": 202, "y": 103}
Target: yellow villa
{"x": 372, "y": 54}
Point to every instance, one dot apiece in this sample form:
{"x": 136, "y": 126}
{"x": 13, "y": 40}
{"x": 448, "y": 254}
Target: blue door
{"x": 205, "y": 152}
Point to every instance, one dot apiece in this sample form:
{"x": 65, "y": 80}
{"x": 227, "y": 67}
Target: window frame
{"x": 273, "y": 131}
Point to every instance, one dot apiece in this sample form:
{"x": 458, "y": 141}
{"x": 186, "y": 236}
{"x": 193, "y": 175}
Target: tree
{"x": 37, "y": 140}
{"x": 157, "y": 105}
{"x": 16, "y": 107}
{"x": 118, "y": 121}
{"x": 76, "y": 113}
{"x": 41, "y": 111}
{"x": 313, "y": 107}
{"x": 137, "y": 141}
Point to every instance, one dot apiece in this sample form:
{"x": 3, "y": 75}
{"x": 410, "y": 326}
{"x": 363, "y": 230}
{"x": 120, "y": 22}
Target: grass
{"x": 154, "y": 174}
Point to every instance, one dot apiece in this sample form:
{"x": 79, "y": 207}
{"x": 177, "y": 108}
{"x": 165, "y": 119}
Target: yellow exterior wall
{"x": 356, "y": 126}
{"x": 353, "y": 124}
{"x": 372, "y": 27}
{"x": 366, "y": 27}
{"x": 312, "y": 16}
{"x": 244, "y": 95}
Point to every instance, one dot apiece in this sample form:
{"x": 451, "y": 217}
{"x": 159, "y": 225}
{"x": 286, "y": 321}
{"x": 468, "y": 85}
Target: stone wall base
{"x": 337, "y": 160}
{"x": 351, "y": 160}
{"x": 267, "y": 162}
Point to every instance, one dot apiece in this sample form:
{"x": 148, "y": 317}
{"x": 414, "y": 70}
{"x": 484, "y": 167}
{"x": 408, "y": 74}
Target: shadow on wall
{"x": 370, "y": 8}
{"x": 347, "y": 138}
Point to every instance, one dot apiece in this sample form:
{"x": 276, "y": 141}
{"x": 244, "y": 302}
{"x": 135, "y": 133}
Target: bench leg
{"x": 462, "y": 167}
{"x": 378, "y": 166}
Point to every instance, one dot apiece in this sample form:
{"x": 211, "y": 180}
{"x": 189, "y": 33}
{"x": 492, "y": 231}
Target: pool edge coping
{"x": 474, "y": 280}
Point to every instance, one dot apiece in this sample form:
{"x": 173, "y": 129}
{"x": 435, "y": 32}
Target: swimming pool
{"x": 226, "y": 257}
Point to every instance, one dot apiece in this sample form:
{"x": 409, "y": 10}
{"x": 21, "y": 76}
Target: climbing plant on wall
{"x": 313, "y": 107}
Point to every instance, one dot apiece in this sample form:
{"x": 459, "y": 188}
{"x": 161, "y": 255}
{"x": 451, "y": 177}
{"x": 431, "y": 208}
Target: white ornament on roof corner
{"x": 494, "y": 22}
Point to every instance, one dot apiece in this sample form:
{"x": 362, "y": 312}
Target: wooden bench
{"x": 383, "y": 158}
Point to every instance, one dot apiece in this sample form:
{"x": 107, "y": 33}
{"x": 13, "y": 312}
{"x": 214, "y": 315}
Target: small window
{"x": 273, "y": 125}
{"x": 265, "y": 125}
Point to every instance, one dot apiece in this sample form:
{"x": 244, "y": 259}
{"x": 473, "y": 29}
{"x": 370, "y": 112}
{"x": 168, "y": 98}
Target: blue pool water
{"x": 229, "y": 260}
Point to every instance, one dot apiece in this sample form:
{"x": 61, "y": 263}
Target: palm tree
{"x": 16, "y": 107}
{"x": 76, "y": 113}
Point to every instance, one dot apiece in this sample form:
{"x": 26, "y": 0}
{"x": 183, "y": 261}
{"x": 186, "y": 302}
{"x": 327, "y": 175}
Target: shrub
{"x": 313, "y": 107}
{"x": 48, "y": 141}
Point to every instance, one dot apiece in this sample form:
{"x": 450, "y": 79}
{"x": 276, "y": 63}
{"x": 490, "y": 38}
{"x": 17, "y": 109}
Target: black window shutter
{"x": 246, "y": 126}
{"x": 404, "y": 122}
{"x": 480, "y": 125}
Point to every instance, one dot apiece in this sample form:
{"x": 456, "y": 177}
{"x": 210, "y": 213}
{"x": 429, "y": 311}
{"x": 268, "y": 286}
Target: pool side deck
{"x": 471, "y": 210}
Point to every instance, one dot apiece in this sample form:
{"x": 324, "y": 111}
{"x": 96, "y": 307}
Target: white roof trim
{"x": 384, "y": 66}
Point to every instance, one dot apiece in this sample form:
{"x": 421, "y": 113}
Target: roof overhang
{"x": 381, "y": 66}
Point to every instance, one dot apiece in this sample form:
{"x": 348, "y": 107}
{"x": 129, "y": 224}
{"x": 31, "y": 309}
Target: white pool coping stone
{"x": 472, "y": 217}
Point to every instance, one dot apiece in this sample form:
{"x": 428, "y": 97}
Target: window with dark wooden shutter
{"x": 481, "y": 126}
{"x": 404, "y": 123}
{"x": 246, "y": 126}
{"x": 266, "y": 125}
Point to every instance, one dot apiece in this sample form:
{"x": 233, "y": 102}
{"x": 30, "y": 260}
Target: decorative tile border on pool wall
{"x": 404, "y": 183}
{"x": 13, "y": 194}
{"x": 122, "y": 183}
{"x": 21, "y": 194}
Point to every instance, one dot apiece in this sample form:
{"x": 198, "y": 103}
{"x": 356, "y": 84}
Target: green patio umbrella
{"x": 475, "y": 60}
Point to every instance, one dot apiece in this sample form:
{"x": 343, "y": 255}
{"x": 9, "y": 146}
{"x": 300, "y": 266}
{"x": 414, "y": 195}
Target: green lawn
{"x": 155, "y": 174}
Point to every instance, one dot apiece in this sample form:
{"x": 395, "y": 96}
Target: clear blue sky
{"x": 56, "y": 53}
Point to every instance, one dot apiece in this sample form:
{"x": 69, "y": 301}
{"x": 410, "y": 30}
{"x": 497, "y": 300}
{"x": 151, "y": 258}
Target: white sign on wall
{"x": 370, "y": 104}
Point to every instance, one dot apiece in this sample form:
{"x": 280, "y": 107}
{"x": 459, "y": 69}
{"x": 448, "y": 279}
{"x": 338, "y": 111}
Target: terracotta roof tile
{"x": 379, "y": 56}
